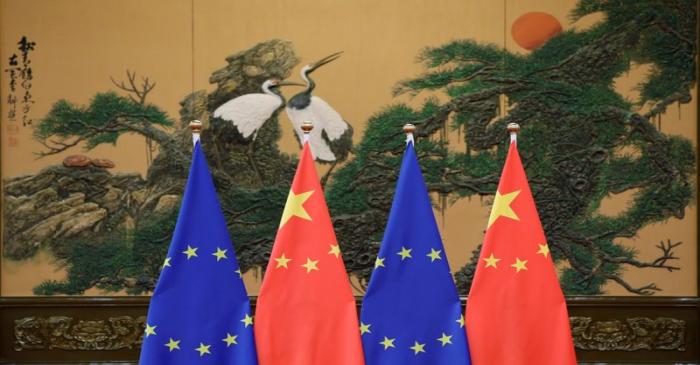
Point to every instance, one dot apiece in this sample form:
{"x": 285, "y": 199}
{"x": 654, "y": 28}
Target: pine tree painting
{"x": 581, "y": 142}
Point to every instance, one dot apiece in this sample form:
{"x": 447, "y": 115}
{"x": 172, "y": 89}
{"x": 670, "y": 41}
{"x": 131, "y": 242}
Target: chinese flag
{"x": 306, "y": 312}
{"x": 516, "y": 312}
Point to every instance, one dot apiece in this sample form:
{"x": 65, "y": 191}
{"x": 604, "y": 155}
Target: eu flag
{"x": 199, "y": 312}
{"x": 411, "y": 313}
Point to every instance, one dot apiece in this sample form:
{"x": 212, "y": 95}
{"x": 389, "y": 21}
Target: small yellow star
{"x": 379, "y": 262}
{"x": 173, "y": 345}
{"x": 544, "y": 250}
{"x": 203, "y": 349}
{"x": 247, "y": 321}
{"x": 150, "y": 330}
{"x": 491, "y": 261}
{"x": 461, "y": 320}
{"x": 417, "y": 347}
{"x": 294, "y": 207}
{"x": 282, "y": 261}
{"x": 335, "y": 250}
{"x": 388, "y": 342}
{"x": 501, "y": 207}
{"x": 434, "y": 254}
{"x": 364, "y": 328}
{"x": 310, "y": 265}
{"x": 191, "y": 252}
{"x": 230, "y": 340}
{"x": 220, "y": 254}
{"x": 240, "y": 274}
{"x": 405, "y": 253}
{"x": 519, "y": 265}
{"x": 445, "y": 339}
{"x": 166, "y": 263}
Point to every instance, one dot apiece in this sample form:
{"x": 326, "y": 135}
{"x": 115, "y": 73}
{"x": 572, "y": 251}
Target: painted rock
{"x": 103, "y": 163}
{"x": 76, "y": 161}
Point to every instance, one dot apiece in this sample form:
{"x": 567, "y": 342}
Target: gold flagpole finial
{"x": 196, "y": 128}
{"x": 409, "y": 128}
{"x": 307, "y": 127}
{"x": 513, "y": 129}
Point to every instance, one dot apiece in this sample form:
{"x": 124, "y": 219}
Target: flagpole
{"x": 306, "y": 127}
{"x": 409, "y": 128}
{"x": 196, "y": 127}
{"x": 513, "y": 129}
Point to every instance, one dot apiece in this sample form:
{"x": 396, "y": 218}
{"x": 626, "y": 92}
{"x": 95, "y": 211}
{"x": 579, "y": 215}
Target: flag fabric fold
{"x": 199, "y": 312}
{"x": 306, "y": 312}
{"x": 411, "y": 313}
{"x": 516, "y": 312}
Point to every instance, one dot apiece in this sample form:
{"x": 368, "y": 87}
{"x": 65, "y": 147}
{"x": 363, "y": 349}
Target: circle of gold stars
{"x": 203, "y": 349}
{"x": 247, "y": 320}
{"x": 230, "y": 339}
{"x": 387, "y": 342}
{"x": 190, "y": 252}
{"x": 173, "y": 345}
{"x": 445, "y": 339}
{"x": 417, "y": 347}
{"x": 405, "y": 253}
{"x": 434, "y": 255}
{"x": 220, "y": 254}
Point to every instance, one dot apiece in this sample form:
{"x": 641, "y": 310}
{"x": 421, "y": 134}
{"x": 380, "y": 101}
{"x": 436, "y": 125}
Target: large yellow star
{"x": 166, "y": 263}
{"x": 501, "y": 207}
{"x": 191, "y": 252}
{"x": 247, "y": 321}
{"x": 544, "y": 250}
{"x": 387, "y": 342}
{"x": 294, "y": 207}
{"x": 461, "y": 320}
{"x": 310, "y": 265}
{"x": 434, "y": 254}
{"x": 220, "y": 254}
{"x": 417, "y": 347}
{"x": 445, "y": 339}
{"x": 364, "y": 328}
{"x": 405, "y": 253}
{"x": 491, "y": 261}
{"x": 282, "y": 261}
{"x": 203, "y": 349}
{"x": 519, "y": 265}
{"x": 173, "y": 345}
{"x": 335, "y": 251}
{"x": 230, "y": 339}
{"x": 150, "y": 330}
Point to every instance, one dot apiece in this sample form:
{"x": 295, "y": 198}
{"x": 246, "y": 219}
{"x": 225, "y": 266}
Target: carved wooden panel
{"x": 632, "y": 334}
{"x": 66, "y": 333}
{"x": 82, "y": 329}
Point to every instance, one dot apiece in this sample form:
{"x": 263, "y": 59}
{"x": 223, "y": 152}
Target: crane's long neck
{"x": 310, "y": 84}
{"x": 274, "y": 92}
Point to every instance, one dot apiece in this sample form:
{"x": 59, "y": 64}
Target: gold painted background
{"x": 81, "y": 43}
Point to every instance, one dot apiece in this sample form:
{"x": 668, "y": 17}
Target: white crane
{"x": 331, "y": 137}
{"x": 250, "y": 111}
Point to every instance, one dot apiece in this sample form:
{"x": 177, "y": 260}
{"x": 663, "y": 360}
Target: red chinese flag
{"x": 306, "y": 312}
{"x": 516, "y": 312}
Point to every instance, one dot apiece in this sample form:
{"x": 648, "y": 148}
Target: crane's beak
{"x": 289, "y": 83}
{"x": 325, "y": 60}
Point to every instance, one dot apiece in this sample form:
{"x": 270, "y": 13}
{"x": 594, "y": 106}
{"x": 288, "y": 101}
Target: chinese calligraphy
{"x": 20, "y": 75}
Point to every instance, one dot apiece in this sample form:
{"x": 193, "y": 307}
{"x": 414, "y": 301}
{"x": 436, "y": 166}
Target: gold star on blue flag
{"x": 413, "y": 302}
{"x": 197, "y": 308}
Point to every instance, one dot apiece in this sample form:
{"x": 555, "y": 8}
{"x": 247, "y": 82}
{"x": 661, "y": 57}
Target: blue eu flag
{"x": 411, "y": 313}
{"x": 199, "y": 312}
